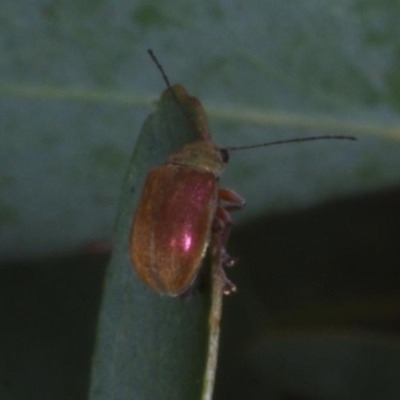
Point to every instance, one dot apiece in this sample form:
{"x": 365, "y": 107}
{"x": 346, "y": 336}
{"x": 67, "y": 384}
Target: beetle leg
{"x": 234, "y": 200}
{"x": 220, "y": 233}
{"x": 221, "y": 230}
{"x": 223, "y": 225}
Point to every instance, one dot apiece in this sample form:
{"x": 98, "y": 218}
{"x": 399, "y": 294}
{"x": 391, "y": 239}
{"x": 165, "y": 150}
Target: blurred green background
{"x": 317, "y": 313}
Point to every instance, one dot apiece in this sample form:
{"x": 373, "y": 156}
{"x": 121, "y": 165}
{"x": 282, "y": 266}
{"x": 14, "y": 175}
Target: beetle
{"x": 182, "y": 210}
{"x": 180, "y": 206}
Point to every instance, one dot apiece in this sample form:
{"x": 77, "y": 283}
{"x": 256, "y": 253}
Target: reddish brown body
{"x": 172, "y": 226}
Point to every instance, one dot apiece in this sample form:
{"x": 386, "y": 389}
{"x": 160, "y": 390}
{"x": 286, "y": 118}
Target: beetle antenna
{"x": 168, "y": 84}
{"x": 296, "y": 140}
{"x": 160, "y": 68}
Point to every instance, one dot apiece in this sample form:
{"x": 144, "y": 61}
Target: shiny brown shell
{"x": 172, "y": 225}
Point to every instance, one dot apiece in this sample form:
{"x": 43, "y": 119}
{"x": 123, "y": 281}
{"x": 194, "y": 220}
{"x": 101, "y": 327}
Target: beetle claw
{"x": 229, "y": 287}
{"x": 228, "y": 260}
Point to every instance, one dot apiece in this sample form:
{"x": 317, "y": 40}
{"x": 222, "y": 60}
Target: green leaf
{"x": 149, "y": 346}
